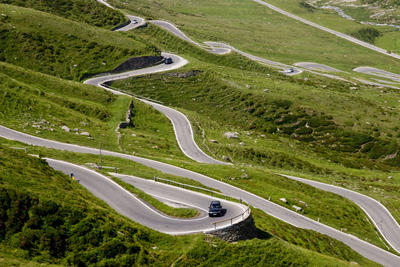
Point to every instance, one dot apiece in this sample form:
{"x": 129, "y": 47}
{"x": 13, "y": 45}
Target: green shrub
{"x": 367, "y": 34}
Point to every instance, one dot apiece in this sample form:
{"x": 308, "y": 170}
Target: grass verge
{"x": 164, "y": 208}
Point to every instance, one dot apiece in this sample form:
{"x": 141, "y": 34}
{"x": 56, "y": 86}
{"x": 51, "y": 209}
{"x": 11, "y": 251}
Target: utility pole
{"x": 101, "y": 161}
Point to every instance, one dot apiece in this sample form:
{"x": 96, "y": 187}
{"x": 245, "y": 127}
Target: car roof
{"x": 215, "y": 202}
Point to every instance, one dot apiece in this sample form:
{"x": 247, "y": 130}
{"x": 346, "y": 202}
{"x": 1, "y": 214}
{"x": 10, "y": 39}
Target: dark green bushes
{"x": 307, "y": 6}
{"x": 51, "y": 232}
{"x": 367, "y": 35}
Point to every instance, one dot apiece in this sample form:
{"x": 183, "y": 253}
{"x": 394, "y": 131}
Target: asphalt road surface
{"x": 99, "y": 81}
{"x": 366, "y": 249}
{"x": 379, "y": 215}
{"x": 184, "y": 134}
{"x": 375, "y": 83}
{"x": 135, "y": 22}
{"x": 174, "y": 30}
{"x": 128, "y": 205}
{"x": 316, "y": 66}
{"x": 378, "y": 72}
{"x": 268, "y": 62}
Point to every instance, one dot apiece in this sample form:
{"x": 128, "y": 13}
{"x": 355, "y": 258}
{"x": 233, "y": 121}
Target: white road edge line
{"x": 351, "y": 191}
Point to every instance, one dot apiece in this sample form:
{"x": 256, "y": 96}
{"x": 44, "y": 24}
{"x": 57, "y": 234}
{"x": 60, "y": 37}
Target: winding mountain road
{"x": 130, "y": 206}
{"x": 134, "y": 22}
{"x": 379, "y": 215}
{"x": 182, "y": 127}
{"x": 184, "y": 134}
{"x": 378, "y": 72}
{"x": 364, "y": 248}
{"x": 121, "y": 200}
{"x": 314, "y": 68}
{"x": 177, "y": 32}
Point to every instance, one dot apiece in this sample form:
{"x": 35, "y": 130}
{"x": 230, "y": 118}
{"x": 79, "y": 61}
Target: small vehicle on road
{"x": 291, "y": 70}
{"x": 168, "y": 60}
{"x": 215, "y": 208}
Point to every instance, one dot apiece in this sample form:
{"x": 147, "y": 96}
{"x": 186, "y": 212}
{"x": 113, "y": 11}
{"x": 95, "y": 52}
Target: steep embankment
{"x": 87, "y": 11}
{"x": 61, "y": 47}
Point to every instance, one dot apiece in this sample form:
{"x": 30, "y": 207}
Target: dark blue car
{"x": 215, "y": 208}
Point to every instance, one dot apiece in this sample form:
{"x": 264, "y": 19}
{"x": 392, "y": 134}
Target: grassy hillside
{"x": 330, "y": 208}
{"x": 41, "y": 105}
{"x": 92, "y": 110}
{"x": 280, "y": 131}
{"x": 258, "y": 30}
{"x": 366, "y": 11}
{"x": 61, "y": 47}
{"x": 88, "y": 11}
{"x": 324, "y": 126}
{"x": 79, "y": 229}
{"x": 323, "y": 113}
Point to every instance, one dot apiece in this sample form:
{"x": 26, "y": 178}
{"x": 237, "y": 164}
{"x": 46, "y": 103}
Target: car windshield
{"x": 215, "y": 205}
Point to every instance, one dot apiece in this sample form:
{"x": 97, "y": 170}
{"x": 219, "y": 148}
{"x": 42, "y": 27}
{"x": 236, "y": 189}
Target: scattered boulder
{"x": 184, "y": 74}
{"x": 65, "y": 128}
{"x": 242, "y": 144}
{"x": 213, "y": 141}
{"x": 231, "y": 135}
{"x": 85, "y": 134}
{"x": 283, "y": 200}
{"x": 297, "y": 208}
{"x": 226, "y": 158}
{"x": 303, "y": 203}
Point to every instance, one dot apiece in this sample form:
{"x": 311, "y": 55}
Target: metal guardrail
{"x": 132, "y": 94}
{"x": 243, "y": 215}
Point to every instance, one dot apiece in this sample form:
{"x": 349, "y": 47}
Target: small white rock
{"x": 297, "y": 208}
{"x": 65, "y": 128}
{"x": 231, "y": 135}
